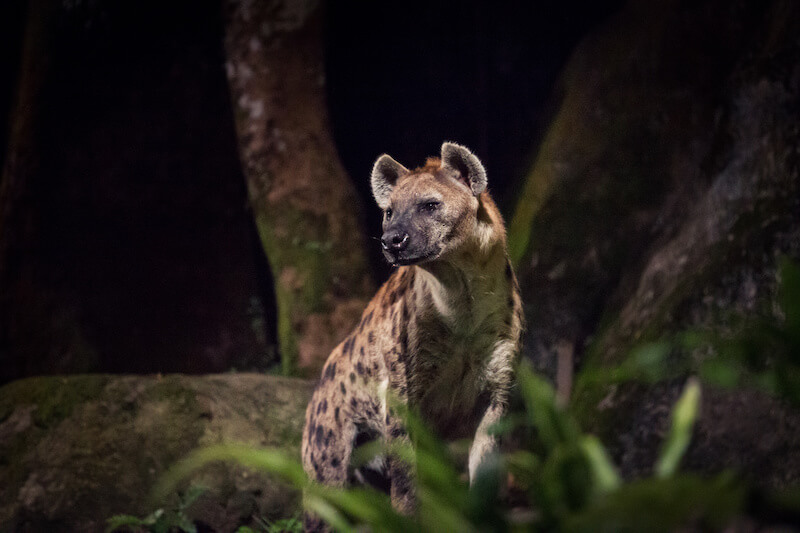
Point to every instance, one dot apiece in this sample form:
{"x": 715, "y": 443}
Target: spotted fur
{"x": 440, "y": 335}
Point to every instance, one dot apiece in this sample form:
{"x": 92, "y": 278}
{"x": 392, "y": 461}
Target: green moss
{"x": 309, "y": 261}
{"x": 171, "y": 388}
{"x": 286, "y": 333}
{"x": 535, "y": 191}
{"x": 54, "y": 396}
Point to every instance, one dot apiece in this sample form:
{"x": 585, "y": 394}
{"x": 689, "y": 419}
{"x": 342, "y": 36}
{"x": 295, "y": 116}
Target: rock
{"x": 76, "y": 450}
{"x": 662, "y": 199}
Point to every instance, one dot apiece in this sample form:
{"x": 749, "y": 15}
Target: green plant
{"x": 161, "y": 520}
{"x": 567, "y": 479}
{"x": 284, "y": 525}
{"x": 573, "y": 484}
{"x": 760, "y": 351}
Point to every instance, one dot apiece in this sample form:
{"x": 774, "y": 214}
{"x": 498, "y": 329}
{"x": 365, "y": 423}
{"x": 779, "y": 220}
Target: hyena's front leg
{"x": 401, "y": 471}
{"x": 327, "y": 447}
{"x": 485, "y": 443}
{"x": 500, "y": 375}
{"x": 327, "y": 442}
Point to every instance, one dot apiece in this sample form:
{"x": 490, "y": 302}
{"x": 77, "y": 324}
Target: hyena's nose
{"x": 396, "y": 241}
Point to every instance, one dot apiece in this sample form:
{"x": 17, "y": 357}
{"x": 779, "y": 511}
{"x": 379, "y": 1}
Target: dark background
{"x": 140, "y": 240}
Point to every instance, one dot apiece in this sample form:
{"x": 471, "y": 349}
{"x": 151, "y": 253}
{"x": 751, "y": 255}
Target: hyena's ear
{"x": 385, "y": 173}
{"x": 460, "y": 159}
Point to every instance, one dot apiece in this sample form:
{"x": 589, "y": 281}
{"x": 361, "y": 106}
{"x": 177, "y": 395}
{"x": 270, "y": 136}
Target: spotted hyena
{"x": 440, "y": 335}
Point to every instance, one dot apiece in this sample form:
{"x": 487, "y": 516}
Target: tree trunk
{"x": 304, "y": 205}
{"x": 661, "y": 201}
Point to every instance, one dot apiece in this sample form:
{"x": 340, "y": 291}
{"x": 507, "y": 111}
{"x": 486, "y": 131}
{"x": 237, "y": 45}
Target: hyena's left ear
{"x": 460, "y": 159}
{"x": 385, "y": 174}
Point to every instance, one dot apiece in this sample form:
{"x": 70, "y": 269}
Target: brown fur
{"x": 441, "y": 334}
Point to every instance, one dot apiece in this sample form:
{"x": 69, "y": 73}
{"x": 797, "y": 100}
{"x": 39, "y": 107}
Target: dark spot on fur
{"x": 402, "y": 490}
{"x": 371, "y": 337}
{"x": 366, "y": 319}
{"x": 403, "y": 283}
{"x": 348, "y": 345}
{"x": 360, "y": 368}
{"x": 405, "y": 313}
{"x": 335, "y": 462}
{"x": 318, "y": 435}
{"x": 403, "y": 345}
{"x": 336, "y": 415}
{"x": 322, "y": 407}
{"x": 352, "y": 377}
{"x": 394, "y": 329}
{"x": 353, "y": 403}
{"x": 330, "y": 371}
{"x": 328, "y": 438}
{"x": 342, "y": 387}
{"x": 392, "y": 297}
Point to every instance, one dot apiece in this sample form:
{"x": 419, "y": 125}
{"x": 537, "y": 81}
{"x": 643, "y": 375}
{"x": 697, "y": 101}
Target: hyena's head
{"x": 428, "y": 213}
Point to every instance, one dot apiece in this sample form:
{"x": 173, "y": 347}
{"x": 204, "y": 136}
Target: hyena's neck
{"x": 454, "y": 286}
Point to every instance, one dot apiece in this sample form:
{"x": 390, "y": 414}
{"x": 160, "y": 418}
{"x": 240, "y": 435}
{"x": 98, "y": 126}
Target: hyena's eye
{"x": 430, "y": 206}
{"x": 388, "y": 213}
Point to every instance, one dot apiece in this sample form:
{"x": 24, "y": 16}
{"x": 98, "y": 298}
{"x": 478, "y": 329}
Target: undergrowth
{"x": 561, "y": 478}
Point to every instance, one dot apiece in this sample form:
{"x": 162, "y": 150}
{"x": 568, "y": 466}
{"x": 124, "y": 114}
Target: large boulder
{"x": 76, "y": 450}
{"x": 662, "y": 199}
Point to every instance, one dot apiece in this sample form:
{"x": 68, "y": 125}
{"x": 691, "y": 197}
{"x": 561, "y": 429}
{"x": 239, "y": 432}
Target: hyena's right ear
{"x": 465, "y": 164}
{"x": 385, "y": 174}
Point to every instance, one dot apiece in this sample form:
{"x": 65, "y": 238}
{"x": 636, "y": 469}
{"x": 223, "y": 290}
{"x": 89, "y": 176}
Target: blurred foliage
{"x": 285, "y": 525}
{"x": 161, "y": 520}
{"x": 561, "y": 479}
{"x": 759, "y": 351}
{"x": 567, "y": 479}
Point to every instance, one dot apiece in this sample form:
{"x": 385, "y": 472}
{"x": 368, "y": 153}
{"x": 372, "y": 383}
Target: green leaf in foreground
{"x": 684, "y": 415}
{"x": 604, "y": 473}
{"x": 676, "y": 504}
{"x": 122, "y": 520}
{"x": 266, "y": 459}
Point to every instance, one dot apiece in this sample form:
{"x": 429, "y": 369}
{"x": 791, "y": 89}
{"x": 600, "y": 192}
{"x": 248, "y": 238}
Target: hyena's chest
{"x": 449, "y": 385}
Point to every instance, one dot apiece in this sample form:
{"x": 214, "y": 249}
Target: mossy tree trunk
{"x": 660, "y": 203}
{"x": 305, "y": 207}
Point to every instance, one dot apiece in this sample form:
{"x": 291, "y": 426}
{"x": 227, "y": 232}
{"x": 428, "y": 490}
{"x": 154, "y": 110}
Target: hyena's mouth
{"x": 405, "y": 259}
